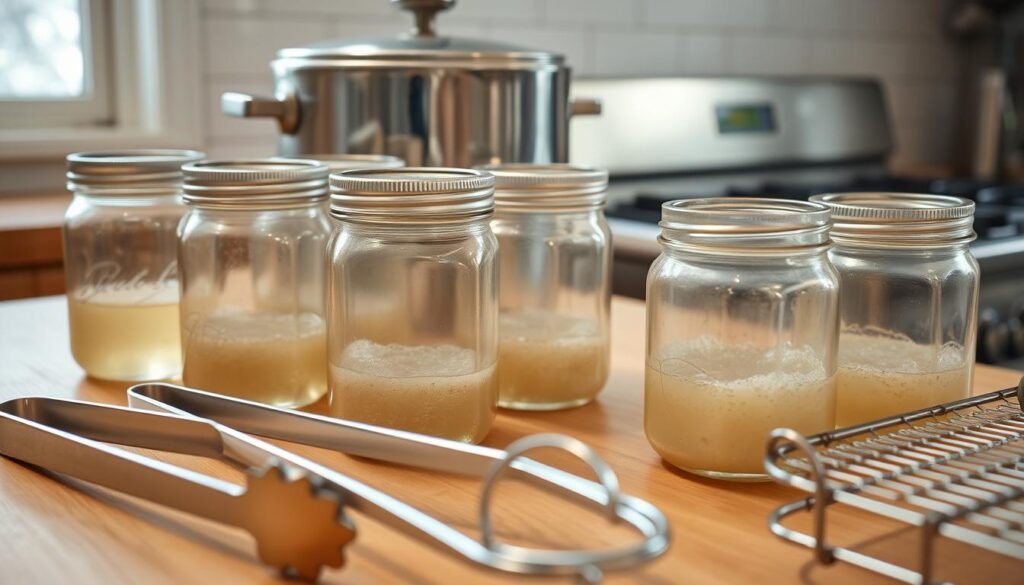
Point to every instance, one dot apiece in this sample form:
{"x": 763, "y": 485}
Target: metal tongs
{"x": 294, "y": 507}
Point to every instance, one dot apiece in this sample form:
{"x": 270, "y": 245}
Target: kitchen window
{"x": 93, "y": 75}
{"x": 54, "y": 65}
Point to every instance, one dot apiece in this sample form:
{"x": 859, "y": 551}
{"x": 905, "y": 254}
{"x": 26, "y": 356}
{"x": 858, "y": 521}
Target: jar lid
{"x": 258, "y": 183}
{"x": 422, "y": 47}
{"x": 132, "y": 171}
{"x": 747, "y": 224}
{"x": 347, "y": 162}
{"x": 416, "y": 195}
{"x": 901, "y": 220}
{"x": 547, "y": 187}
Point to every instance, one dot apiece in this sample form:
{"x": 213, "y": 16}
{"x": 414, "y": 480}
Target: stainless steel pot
{"x": 429, "y": 99}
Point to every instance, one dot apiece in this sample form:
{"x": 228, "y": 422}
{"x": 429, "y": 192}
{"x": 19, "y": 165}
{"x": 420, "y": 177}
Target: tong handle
{"x": 298, "y": 528}
{"x": 64, "y": 452}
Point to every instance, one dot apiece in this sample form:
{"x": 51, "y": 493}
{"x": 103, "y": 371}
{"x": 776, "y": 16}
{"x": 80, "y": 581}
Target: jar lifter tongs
{"x": 296, "y": 508}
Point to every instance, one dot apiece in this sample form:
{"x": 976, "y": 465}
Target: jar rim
{"x": 729, "y": 225}
{"x": 129, "y": 172}
{"x": 255, "y": 183}
{"x": 899, "y": 220}
{"x": 413, "y": 195}
{"x": 547, "y": 187}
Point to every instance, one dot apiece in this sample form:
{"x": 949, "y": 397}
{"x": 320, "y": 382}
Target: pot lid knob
{"x": 424, "y": 11}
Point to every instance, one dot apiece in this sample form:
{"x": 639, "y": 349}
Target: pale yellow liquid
{"x": 128, "y": 334}
{"x": 278, "y": 359}
{"x": 881, "y": 376}
{"x": 549, "y": 360}
{"x": 429, "y": 389}
{"x": 708, "y": 408}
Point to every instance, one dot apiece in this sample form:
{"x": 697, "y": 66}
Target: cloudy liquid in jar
{"x": 708, "y": 407}
{"x": 880, "y": 376}
{"x": 278, "y": 359}
{"x": 549, "y": 360}
{"x": 429, "y": 389}
{"x": 130, "y": 334}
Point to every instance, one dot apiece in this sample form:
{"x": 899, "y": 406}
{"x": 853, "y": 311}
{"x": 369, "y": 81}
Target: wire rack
{"x": 952, "y": 473}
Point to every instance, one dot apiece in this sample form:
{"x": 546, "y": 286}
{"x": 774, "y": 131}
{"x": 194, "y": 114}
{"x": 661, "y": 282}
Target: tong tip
{"x": 298, "y": 528}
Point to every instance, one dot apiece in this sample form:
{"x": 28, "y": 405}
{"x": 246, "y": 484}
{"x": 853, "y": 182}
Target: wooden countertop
{"x": 55, "y": 530}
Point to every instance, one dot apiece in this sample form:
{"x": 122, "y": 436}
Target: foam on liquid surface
{"x": 883, "y": 374}
{"x": 430, "y": 389}
{"x": 278, "y": 359}
{"x": 550, "y": 360}
{"x": 709, "y": 407}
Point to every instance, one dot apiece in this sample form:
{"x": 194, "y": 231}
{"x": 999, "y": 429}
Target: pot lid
{"x": 422, "y": 46}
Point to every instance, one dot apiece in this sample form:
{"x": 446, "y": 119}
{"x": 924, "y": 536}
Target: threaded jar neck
{"x": 899, "y": 220}
{"x": 747, "y": 226}
{"x": 255, "y": 184}
{"x": 412, "y": 195}
{"x": 525, "y": 187}
{"x": 132, "y": 173}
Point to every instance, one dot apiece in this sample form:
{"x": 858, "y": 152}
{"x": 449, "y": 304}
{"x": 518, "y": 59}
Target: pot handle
{"x": 584, "y": 107}
{"x": 243, "y": 105}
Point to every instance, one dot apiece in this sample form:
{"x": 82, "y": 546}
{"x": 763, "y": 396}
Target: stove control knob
{"x": 993, "y": 337}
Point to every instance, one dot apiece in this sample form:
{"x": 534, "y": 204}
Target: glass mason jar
{"x": 742, "y": 323}
{"x": 252, "y": 253}
{"x": 554, "y": 298}
{"x": 413, "y": 305}
{"x": 120, "y": 262}
{"x": 910, "y": 301}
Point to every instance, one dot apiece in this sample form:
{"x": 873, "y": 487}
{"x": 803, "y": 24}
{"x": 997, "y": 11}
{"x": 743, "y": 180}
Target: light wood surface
{"x": 53, "y": 530}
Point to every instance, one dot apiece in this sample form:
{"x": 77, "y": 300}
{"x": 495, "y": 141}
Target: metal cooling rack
{"x": 954, "y": 471}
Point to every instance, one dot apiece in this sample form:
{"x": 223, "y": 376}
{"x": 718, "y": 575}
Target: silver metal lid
{"x": 259, "y": 183}
{"x": 547, "y": 187}
{"x": 899, "y": 220}
{"x": 750, "y": 225}
{"x": 347, "y": 162}
{"x": 130, "y": 171}
{"x": 418, "y": 195}
{"x": 421, "y": 47}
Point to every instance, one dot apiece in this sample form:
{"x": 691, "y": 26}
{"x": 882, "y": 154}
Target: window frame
{"x": 94, "y": 107}
{"x": 156, "y": 100}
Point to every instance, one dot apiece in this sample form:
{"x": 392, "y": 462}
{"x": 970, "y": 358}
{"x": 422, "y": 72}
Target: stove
{"x": 665, "y": 139}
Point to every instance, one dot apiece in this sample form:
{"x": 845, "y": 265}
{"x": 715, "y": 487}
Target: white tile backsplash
{"x": 244, "y": 45}
{"x": 807, "y": 16}
{"x": 507, "y": 10}
{"x": 568, "y": 41}
{"x": 634, "y": 54}
{"x": 331, "y": 7}
{"x": 728, "y": 14}
{"x": 885, "y": 58}
{"x": 898, "y": 41}
{"x": 764, "y": 55}
{"x": 614, "y": 12}
{"x": 702, "y": 54}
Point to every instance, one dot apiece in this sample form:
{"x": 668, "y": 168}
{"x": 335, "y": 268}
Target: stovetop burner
{"x": 999, "y": 213}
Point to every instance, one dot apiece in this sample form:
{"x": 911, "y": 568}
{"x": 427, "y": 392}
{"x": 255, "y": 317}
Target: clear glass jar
{"x": 120, "y": 262}
{"x": 413, "y": 300}
{"x": 742, "y": 323}
{"x": 909, "y": 305}
{"x": 554, "y": 298}
{"x": 252, "y": 256}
